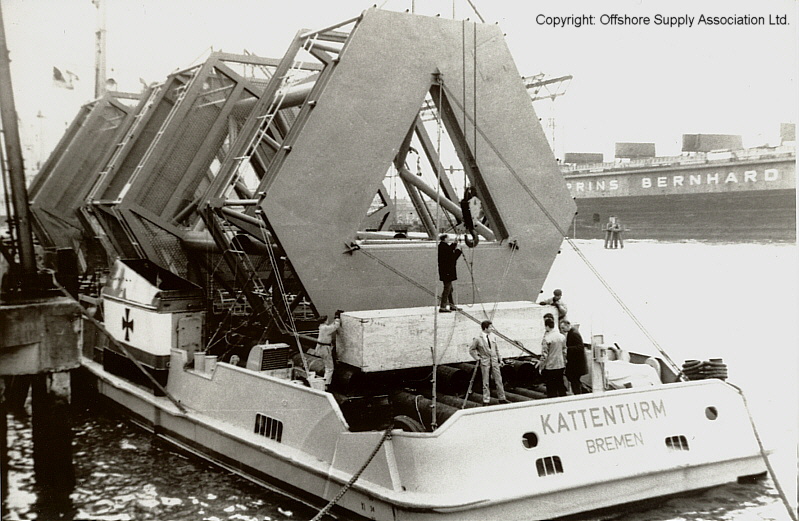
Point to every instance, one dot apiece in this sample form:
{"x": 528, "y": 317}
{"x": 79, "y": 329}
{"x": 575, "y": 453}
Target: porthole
{"x": 529, "y": 440}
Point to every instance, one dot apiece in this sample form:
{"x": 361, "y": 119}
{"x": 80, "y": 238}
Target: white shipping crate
{"x": 388, "y": 339}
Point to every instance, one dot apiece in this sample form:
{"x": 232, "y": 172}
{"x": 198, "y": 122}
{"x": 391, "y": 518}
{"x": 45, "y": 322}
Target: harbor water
{"x": 696, "y": 300}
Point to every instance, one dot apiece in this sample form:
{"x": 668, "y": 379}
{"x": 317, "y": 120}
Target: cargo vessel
{"x": 734, "y": 195}
{"x": 225, "y": 218}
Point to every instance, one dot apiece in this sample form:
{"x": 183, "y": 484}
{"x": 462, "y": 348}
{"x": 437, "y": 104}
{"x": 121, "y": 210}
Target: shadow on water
{"x": 25, "y": 492}
{"x": 54, "y": 503}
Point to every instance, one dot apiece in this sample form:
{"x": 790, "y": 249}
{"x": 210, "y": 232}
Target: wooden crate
{"x": 388, "y": 339}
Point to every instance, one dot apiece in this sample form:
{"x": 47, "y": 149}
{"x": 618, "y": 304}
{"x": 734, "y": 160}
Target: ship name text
{"x": 678, "y": 181}
{"x": 604, "y": 416}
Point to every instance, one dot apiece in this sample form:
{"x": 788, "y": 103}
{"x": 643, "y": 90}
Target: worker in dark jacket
{"x": 448, "y": 253}
{"x": 576, "y": 365}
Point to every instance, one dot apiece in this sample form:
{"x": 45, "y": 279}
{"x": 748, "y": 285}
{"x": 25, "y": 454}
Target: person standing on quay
{"x": 448, "y": 253}
{"x": 552, "y": 363}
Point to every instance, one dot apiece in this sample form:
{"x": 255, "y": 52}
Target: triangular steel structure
{"x": 351, "y": 129}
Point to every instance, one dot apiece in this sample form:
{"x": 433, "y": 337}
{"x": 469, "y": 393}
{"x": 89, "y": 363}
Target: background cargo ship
{"x": 716, "y": 190}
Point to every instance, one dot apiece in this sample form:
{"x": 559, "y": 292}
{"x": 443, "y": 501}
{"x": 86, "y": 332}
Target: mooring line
{"x": 764, "y": 455}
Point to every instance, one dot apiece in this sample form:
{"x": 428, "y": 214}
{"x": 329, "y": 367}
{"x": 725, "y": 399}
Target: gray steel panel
{"x": 323, "y": 190}
{"x": 72, "y": 168}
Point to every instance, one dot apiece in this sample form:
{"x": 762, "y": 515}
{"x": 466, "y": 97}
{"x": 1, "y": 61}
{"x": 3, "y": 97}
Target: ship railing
{"x": 691, "y": 158}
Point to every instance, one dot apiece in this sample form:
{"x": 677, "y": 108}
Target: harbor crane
{"x": 542, "y": 88}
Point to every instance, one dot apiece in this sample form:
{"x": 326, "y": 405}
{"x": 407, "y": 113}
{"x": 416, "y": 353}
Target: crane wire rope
{"x": 282, "y": 290}
{"x": 571, "y": 243}
{"x": 425, "y": 289}
{"x": 440, "y": 305}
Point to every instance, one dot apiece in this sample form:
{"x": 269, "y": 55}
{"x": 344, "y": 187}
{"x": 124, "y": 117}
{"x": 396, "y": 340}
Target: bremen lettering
{"x": 597, "y": 417}
{"x": 608, "y": 443}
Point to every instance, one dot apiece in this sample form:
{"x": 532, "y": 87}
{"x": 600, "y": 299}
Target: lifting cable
{"x": 434, "y": 421}
{"x": 476, "y": 290}
{"x": 571, "y": 243}
{"x": 419, "y": 286}
{"x": 354, "y": 478}
{"x": 281, "y": 289}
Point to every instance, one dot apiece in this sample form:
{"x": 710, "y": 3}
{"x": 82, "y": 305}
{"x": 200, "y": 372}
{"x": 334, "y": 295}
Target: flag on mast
{"x": 64, "y": 80}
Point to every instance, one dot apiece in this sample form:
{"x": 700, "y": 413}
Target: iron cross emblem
{"x": 127, "y": 324}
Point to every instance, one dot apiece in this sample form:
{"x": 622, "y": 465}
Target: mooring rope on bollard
{"x": 351, "y": 482}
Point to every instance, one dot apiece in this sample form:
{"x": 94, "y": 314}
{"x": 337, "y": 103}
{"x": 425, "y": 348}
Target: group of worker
{"x": 562, "y": 351}
{"x": 562, "y": 348}
{"x": 562, "y": 357}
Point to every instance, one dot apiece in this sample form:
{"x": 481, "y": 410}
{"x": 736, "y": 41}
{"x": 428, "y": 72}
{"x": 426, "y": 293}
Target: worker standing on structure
{"x": 448, "y": 253}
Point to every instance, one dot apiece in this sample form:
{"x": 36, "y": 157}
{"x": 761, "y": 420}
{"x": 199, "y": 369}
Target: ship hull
{"x": 451, "y": 473}
{"x": 754, "y": 216}
{"x": 730, "y": 196}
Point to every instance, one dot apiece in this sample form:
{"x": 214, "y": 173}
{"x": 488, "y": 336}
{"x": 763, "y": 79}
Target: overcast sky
{"x": 645, "y": 83}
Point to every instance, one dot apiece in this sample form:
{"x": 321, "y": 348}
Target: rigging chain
{"x": 764, "y": 455}
{"x": 354, "y": 478}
